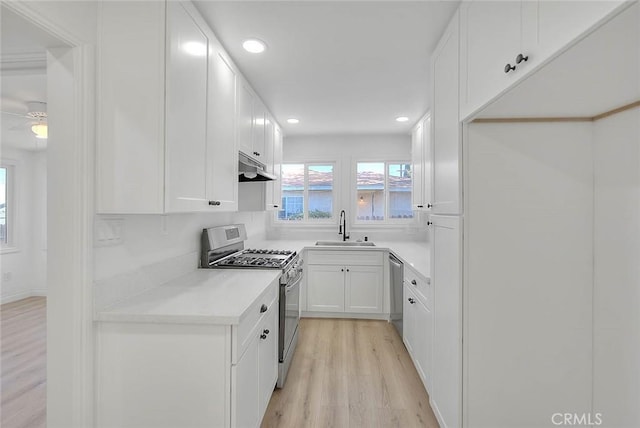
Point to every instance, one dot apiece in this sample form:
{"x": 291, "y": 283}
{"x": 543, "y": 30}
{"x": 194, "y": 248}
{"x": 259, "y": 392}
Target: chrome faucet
{"x": 342, "y": 228}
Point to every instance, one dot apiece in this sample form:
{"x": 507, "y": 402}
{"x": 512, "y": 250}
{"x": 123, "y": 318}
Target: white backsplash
{"x": 154, "y": 249}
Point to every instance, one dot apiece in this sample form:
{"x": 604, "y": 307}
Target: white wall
{"x": 345, "y": 151}
{"x": 24, "y": 269}
{"x": 617, "y": 269}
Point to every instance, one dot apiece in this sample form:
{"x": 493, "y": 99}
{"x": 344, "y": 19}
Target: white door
{"x": 447, "y": 343}
{"x": 325, "y": 288}
{"x": 186, "y": 113}
{"x": 222, "y": 152}
{"x": 363, "y": 289}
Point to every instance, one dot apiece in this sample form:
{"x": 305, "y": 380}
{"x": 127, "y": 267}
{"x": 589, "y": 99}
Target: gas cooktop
{"x": 265, "y": 259}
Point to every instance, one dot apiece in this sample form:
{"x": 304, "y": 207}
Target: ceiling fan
{"x": 35, "y": 119}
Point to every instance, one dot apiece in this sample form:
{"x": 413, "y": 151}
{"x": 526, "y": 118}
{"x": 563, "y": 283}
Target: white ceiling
{"x": 23, "y": 77}
{"x": 341, "y": 67}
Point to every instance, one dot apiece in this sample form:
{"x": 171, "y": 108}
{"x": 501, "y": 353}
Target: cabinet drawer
{"x": 343, "y": 258}
{"x": 242, "y": 333}
{"x": 421, "y": 287}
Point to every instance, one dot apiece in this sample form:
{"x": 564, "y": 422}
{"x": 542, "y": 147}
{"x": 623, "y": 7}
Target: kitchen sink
{"x": 345, "y": 244}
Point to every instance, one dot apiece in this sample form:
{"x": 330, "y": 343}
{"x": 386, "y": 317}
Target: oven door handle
{"x": 297, "y": 281}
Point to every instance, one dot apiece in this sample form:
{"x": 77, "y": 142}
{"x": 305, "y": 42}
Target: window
{"x": 383, "y": 191}
{"x": 307, "y": 192}
{"x": 6, "y": 208}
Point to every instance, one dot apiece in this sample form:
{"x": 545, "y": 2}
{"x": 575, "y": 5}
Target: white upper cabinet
{"x": 130, "y": 114}
{"x": 252, "y": 117}
{"x": 222, "y": 154}
{"x": 173, "y": 111}
{"x": 259, "y": 131}
{"x": 273, "y": 148}
{"x": 417, "y": 174}
{"x": 490, "y": 39}
{"x": 421, "y": 164}
{"x": 186, "y": 112}
{"x": 445, "y": 124}
{"x": 245, "y": 118}
{"x": 502, "y": 41}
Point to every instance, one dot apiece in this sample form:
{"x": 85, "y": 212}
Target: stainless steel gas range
{"x": 223, "y": 248}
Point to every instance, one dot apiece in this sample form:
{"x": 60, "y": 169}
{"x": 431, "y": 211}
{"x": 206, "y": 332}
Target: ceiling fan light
{"x": 41, "y": 130}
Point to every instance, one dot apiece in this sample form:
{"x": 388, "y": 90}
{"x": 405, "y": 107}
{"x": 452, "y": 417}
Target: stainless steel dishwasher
{"x": 396, "y": 269}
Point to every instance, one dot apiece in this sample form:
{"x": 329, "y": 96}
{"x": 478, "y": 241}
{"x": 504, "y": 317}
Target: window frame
{"x": 11, "y": 246}
{"x": 306, "y": 221}
{"x": 388, "y": 221}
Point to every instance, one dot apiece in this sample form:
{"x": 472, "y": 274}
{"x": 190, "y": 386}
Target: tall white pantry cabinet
{"x": 535, "y": 224}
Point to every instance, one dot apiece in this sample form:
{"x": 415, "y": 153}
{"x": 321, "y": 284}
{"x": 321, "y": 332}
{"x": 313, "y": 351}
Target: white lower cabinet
{"x": 255, "y": 374}
{"x": 167, "y": 375}
{"x": 345, "y": 281}
{"x": 418, "y": 333}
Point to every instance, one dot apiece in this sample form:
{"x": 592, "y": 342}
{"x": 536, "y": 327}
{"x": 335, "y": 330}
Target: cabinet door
{"x": 325, "y": 288}
{"x": 222, "y": 153}
{"x": 186, "y": 117}
{"x": 245, "y": 400}
{"x": 245, "y": 118}
{"x": 423, "y": 342}
{"x": 427, "y": 163}
{"x": 417, "y": 173}
{"x": 408, "y": 319}
{"x": 548, "y": 26}
{"x": 490, "y": 38}
{"x": 363, "y": 289}
{"x": 259, "y": 131}
{"x": 268, "y": 357}
{"x": 447, "y": 342}
{"x": 130, "y": 114}
{"x": 278, "y": 146}
{"x": 446, "y": 124}
{"x": 274, "y": 160}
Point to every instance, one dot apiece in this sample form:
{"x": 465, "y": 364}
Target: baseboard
{"x": 311, "y": 314}
{"x": 22, "y": 295}
{"x": 436, "y": 412}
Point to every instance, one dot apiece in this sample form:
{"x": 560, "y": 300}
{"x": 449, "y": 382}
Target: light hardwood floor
{"x": 23, "y": 338}
{"x": 350, "y": 373}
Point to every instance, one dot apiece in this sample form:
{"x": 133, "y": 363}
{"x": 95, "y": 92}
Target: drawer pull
{"x": 263, "y": 308}
{"x": 411, "y": 300}
{"x": 414, "y": 282}
{"x": 265, "y": 331}
{"x": 509, "y": 67}
{"x": 521, "y": 58}
{"x": 263, "y": 336}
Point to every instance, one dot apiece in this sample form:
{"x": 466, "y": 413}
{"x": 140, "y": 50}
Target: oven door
{"x": 289, "y": 315}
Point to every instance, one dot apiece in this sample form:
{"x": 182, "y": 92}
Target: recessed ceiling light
{"x": 293, "y": 121}
{"x": 195, "y": 48}
{"x": 254, "y": 46}
{"x": 402, "y": 119}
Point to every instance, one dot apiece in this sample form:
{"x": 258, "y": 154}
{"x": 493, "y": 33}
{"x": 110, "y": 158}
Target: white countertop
{"x": 415, "y": 254}
{"x": 205, "y": 296}
{"x": 222, "y": 296}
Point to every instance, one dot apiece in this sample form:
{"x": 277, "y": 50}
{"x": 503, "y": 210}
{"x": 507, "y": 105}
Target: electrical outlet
{"x": 108, "y": 232}
{"x": 7, "y": 276}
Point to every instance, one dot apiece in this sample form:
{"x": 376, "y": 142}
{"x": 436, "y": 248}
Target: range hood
{"x": 252, "y": 170}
